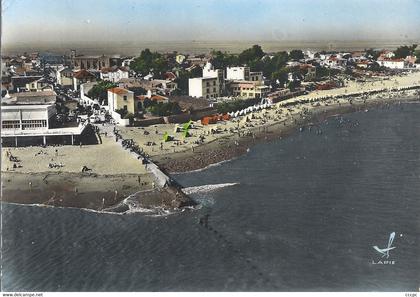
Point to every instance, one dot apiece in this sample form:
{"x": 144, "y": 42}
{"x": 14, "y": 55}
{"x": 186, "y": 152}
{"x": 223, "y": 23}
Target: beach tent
{"x": 167, "y": 137}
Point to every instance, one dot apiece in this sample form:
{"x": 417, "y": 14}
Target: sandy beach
{"x": 113, "y": 173}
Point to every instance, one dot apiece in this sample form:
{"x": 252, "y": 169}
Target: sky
{"x": 210, "y": 20}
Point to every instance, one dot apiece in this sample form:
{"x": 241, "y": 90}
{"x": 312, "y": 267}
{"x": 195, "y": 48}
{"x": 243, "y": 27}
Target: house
{"x": 65, "y": 77}
{"x": 256, "y": 76}
{"x": 309, "y": 71}
{"x": 113, "y": 74}
{"x": 335, "y": 61}
{"x": 81, "y": 77}
{"x": 393, "y": 63}
{"x": 121, "y": 99}
{"x": 411, "y": 60}
{"x": 155, "y": 98}
{"x": 38, "y": 85}
{"x": 19, "y": 82}
{"x": 204, "y": 87}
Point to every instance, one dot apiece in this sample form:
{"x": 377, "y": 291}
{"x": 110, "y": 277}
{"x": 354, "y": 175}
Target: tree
{"x": 182, "y": 79}
{"x": 100, "y": 91}
{"x": 280, "y": 76}
{"x": 403, "y": 51}
{"x": 296, "y": 55}
{"x": 252, "y": 54}
{"x": 221, "y": 60}
{"x": 164, "y": 109}
{"x": 417, "y": 54}
{"x": 371, "y": 53}
{"x": 150, "y": 62}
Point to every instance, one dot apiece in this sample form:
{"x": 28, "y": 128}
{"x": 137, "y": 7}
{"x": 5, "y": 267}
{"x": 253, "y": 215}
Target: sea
{"x": 302, "y": 213}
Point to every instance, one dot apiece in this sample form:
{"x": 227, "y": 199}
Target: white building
{"x": 204, "y": 87}
{"x": 237, "y": 73}
{"x": 393, "y": 63}
{"x": 209, "y": 71}
{"x": 27, "y": 117}
{"x": 113, "y": 74}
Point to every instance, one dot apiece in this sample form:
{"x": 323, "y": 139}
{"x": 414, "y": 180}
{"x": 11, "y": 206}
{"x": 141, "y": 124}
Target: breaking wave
{"x": 206, "y": 188}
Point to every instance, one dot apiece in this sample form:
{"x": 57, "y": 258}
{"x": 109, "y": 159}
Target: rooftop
{"x": 83, "y": 74}
{"x": 119, "y": 91}
{"x": 30, "y": 98}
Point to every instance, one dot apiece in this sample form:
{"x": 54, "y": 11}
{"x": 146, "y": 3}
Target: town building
{"x": 113, "y": 74}
{"x": 204, "y": 87}
{"x": 121, "y": 99}
{"x": 209, "y": 71}
{"x": 29, "y": 118}
{"x": 38, "y": 85}
{"x": 247, "y": 89}
{"x": 18, "y": 83}
{"x": 392, "y": 63}
{"x": 64, "y": 77}
{"x": 91, "y": 62}
{"x": 237, "y": 73}
{"x": 81, "y": 77}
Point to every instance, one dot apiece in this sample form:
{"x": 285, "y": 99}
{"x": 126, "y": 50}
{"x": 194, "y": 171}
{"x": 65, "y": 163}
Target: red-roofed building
{"x": 119, "y": 98}
{"x": 156, "y": 98}
{"x": 81, "y": 77}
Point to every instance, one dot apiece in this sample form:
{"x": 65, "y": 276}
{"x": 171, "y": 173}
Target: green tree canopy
{"x": 221, "y": 60}
{"x": 404, "y": 51}
{"x": 296, "y": 55}
{"x": 250, "y": 55}
{"x": 164, "y": 109}
{"x": 150, "y": 62}
{"x": 372, "y": 53}
{"x": 100, "y": 90}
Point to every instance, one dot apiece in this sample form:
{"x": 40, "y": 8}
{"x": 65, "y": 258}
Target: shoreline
{"x": 125, "y": 193}
{"x": 209, "y": 154}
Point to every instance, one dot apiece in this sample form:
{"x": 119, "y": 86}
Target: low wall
{"x": 195, "y": 115}
{"x": 148, "y": 122}
{"x": 178, "y": 118}
{"x": 120, "y": 122}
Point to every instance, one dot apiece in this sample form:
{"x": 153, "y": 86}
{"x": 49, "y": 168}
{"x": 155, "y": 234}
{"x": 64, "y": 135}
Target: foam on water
{"x": 205, "y": 168}
{"x": 206, "y": 188}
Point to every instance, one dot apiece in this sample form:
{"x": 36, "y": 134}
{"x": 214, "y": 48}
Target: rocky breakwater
{"x": 166, "y": 195}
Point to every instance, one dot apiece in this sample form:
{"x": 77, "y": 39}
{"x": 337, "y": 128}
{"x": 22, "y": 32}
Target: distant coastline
{"x": 195, "y": 46}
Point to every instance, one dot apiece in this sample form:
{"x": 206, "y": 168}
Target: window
{"x": 10, "y": 124}
{"x": 125, "y": 98}
{"x": 214, "y": 89}
{"x": 34, "y": 124}
{"x": 208, "y": 84}
{"x": 125, "y": 107}
{"x": 207, "y": 90}
{"x": 214, "y": 83}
